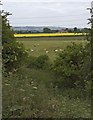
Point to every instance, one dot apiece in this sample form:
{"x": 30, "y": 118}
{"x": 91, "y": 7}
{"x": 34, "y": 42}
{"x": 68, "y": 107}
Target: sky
{"x": 64, "y": 13}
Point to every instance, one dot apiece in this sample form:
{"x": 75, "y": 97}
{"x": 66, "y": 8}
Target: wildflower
{"x": 47, "y": 51}
{"x": 56, "y": 50}
{"x": 22, "y": 90}
{"x": 7, "y": 84}
{"x": 32, "y": 50}
{"x": 60, "y": 49}
{"x": 15, "y": 58}
{"x": 24, "y": 99}
{"x": 35, "y": 88}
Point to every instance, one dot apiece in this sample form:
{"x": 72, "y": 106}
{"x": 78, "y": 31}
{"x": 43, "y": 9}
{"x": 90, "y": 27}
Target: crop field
{"x": 49, "y": 45}
{"x": 48, "y": 34}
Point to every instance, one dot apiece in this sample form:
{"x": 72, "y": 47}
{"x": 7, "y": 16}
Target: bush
{"x": 14, "y": 55}
{"x": 41, "y": 62}
{"x": 13, "y": 52}
{"x": 72, "y": 66}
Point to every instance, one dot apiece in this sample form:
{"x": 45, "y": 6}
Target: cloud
{"x": 48, "y": 1}
{"x": 48, "y": 12}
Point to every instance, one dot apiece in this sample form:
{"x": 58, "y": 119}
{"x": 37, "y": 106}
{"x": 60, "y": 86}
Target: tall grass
{"x": 30, "y": 93}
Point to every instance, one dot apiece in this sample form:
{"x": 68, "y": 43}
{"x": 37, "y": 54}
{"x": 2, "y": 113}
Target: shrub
{"x": 14, "y": 55}
{"x": 72, "y": 66}
{"x": 40, "y": 62}
{"x": 13, "y": 52}
{"x": 31, "y": 61}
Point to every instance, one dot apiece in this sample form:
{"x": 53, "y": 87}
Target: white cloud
{"x": 48, "y": 12}
{"x": 62, "y": 1}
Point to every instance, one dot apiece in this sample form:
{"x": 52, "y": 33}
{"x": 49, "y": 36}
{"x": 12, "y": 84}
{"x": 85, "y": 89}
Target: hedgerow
{"x": 13, "y": 52}
{"x": 72, "y": 66}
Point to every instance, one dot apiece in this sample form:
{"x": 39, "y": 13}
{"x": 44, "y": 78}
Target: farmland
{"x": 49, "y": 34}
{"x": 49, "y": 45}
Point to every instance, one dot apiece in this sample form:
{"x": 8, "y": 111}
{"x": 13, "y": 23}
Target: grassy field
{"x": 49, "y": 45}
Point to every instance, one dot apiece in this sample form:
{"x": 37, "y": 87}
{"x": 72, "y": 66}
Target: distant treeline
{"x": 48, "y": 30}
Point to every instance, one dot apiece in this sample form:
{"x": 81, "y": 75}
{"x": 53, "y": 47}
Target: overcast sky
{"x": 66, "y": 13}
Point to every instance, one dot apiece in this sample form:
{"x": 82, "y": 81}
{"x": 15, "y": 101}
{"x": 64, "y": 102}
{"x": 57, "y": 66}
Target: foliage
{"x": 46, "y": 30}
{"x": 7, "y": 32}
{"x": 40, "y": 62}
{"x": 27, "y": 98}
{"x": 87, "y": 31}
{"x": 14, "y": 55}
{"x": 72, "y": 66}
{"x": 13, "y": 52}
{"x": 75, "y": 29}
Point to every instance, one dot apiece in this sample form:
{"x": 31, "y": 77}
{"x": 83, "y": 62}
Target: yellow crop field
{"x": 48, "y": 34}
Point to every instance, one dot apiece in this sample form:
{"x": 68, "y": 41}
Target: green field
{"x": 49, "y": 45}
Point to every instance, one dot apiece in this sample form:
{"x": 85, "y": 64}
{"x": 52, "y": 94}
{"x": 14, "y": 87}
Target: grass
{"x": 49, "y": 45}
{"x": 30, "y": 92}
{"x": 30, "y": 97}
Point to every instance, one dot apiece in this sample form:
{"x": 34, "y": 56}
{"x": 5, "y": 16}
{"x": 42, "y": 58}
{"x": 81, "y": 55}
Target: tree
{"x": 75, "y": 29}
{"x": 66, "y": 29}
{"x": 13, "y": 52}
{"x": 47, "y": 30}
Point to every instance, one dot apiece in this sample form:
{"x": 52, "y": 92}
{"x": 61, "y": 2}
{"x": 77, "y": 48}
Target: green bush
{"x": 41, "y": 62}
{"x": 31, "y": 61}
{"x": 13, "y": 52}
{"x": 72, "y": 66}
{"x": 14, "y": 55}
